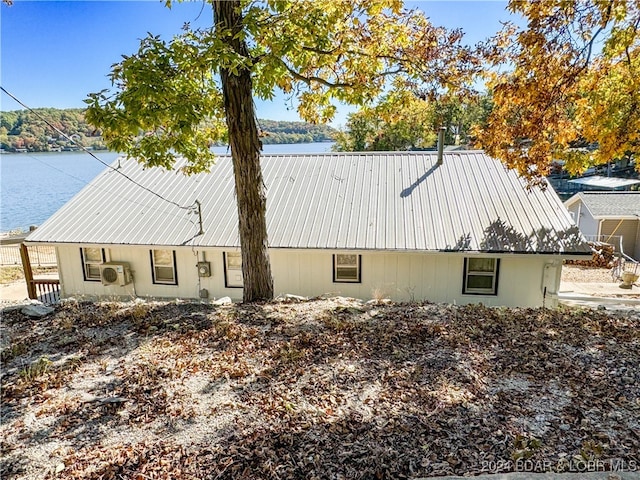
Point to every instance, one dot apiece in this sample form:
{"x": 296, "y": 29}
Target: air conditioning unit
{"x": 115, "y": 273}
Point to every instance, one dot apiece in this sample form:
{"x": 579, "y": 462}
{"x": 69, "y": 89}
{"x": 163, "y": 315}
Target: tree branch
{"x": 311, "y": 79}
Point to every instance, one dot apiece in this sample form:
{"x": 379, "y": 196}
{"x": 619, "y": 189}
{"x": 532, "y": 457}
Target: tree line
{"x": 403, "y": 120}
{"x": 24, "y": 130}
{"x": 277, "y": 131}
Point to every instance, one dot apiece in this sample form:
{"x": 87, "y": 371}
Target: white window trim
{"x": 173, "y": 267}
{"x": 357, "y": 265}
{"x": 493, "y": 291}
{"x": 85, "y": 263}
{"x": 228, "y": 283}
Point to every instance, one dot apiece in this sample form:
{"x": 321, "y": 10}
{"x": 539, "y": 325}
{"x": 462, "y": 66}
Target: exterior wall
{"x": 628, "y": 229}
{"x": 189, "y": 284}
{"x": 583, "y": 219}
{"x": 435, "y": 277}
{"x": 402, "y": 276}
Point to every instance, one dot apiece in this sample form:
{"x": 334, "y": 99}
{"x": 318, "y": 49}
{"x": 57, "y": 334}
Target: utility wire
{"x": 92, "y": 185}
{"x": 86, "y": 150}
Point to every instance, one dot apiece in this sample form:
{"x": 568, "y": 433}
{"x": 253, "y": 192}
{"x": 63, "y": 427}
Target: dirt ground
{"x": 578, "y": 274}
{"x": 326, "y": 389}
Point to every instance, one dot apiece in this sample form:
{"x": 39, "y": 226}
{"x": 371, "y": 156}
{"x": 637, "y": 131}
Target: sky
{"x": 53, "y": 53}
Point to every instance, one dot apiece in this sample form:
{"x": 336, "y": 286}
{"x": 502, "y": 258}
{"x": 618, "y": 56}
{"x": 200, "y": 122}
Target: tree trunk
{"x": 245, "y": 152}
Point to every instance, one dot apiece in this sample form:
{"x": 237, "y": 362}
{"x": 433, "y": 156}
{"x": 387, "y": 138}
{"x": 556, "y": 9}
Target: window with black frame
{"x": 163, "y": 267}
{"x": 481, "y": 276}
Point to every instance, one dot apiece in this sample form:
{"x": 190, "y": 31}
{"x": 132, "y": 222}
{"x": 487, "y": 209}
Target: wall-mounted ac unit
{"x": 115, "y": 273}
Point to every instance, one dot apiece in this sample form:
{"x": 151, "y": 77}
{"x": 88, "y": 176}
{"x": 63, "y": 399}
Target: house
{"x": 397, "y": 224}
{"x": 608, "y": 216}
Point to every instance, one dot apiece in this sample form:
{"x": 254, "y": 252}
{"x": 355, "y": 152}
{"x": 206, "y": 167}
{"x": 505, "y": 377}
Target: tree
{"x": 574, "y": 82}
{"x": 408, "y": 119}
{"x": 400, "y": 121}
{"x": 176, "y": 98}
{"x": 461, "y": 116}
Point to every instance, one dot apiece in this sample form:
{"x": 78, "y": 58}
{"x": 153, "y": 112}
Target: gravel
{"x": 579, "y": 274}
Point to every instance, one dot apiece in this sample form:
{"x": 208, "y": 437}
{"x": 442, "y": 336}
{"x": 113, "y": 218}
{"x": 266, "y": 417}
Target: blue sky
{"x": 53, "y": 53}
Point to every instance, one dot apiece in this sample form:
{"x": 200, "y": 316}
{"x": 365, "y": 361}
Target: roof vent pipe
{"x": 441, "y": 131}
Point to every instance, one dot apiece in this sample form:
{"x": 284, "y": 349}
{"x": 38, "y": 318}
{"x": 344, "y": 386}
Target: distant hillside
{"x": 23, "y": 131}
{"x": 275, "y": 131}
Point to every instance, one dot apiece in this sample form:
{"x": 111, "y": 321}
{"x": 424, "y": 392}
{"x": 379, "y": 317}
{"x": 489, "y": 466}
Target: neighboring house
{"x": 396, "y": 224}
{"x": 608, "y": 215}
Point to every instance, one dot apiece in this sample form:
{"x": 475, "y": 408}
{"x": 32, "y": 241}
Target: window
{"x": 481, "y": 276}
{"x": 346, "y": 268}
{"x": 163, "y": 267}
{"x": 91, "y": 260}
{"x": 232, "y": 269}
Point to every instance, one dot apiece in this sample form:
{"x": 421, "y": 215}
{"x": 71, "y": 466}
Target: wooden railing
{"x": 45, "y": 290}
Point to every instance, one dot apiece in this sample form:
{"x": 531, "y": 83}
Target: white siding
{"x": 435, "y": 277}
{"x": 402, "y": 276}
{"x": 73, "y": 283}
{"x": 583, "y": 218}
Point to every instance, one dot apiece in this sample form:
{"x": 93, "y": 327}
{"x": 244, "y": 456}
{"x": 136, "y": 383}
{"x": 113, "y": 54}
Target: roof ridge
{"x": 365, "y": 153}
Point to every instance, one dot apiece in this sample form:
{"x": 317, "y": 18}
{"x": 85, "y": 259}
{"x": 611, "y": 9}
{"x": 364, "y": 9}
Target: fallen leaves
{"x": 330, "y": 388}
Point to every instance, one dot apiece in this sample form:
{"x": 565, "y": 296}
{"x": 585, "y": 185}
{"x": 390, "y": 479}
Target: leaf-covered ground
{"x": 327, "y": 389}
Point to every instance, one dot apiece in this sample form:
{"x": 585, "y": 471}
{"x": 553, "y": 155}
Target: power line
{"x": 92, "y": 185}
{"x": 86, "y": 150}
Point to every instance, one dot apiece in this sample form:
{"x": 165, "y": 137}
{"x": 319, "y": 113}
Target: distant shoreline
{"x": 54, "y": 177}
{"x": 80, "y": 150}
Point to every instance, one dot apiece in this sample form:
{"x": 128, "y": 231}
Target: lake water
{"x": 34, "y": 185}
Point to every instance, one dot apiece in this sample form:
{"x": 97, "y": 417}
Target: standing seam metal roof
{"x": 364, "y": 201}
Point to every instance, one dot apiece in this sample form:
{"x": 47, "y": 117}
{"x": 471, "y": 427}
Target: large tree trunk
{"x": 245, "y": 151}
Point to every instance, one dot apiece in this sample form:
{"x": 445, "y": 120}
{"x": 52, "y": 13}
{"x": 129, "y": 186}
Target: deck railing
{"x": 45, "y": 290}
{"x": 10, "y": 255}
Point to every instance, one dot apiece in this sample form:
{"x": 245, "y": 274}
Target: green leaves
{"x": 402, "y": 120}
{"x": 167, "y": 98}
{"x": 167, "y": 104}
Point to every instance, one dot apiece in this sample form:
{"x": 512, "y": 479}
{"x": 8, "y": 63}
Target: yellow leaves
{"x": 348, "y": 50}
{"x": 315, "y": 107}
{"x": 562, "y": 91}
{"x": 400, "y": 121}
{"x": 608, "y": 109}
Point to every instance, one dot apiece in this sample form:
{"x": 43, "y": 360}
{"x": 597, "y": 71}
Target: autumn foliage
{"x": 332, "y": 388}
{"x": 565, "y": 86}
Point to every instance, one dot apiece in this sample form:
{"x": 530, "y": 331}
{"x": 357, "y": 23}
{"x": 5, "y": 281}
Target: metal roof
{"x": 609, "y": 204}
{"x": 369, "y": 200}
{"x": 604, "y": 182}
